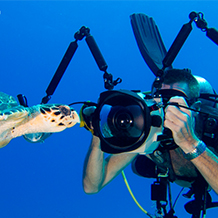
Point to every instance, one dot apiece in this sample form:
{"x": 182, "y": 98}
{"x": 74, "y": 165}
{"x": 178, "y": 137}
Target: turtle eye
{"x": 64, "y": 110}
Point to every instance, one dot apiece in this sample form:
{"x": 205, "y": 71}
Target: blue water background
{"x": 45, "y": 180}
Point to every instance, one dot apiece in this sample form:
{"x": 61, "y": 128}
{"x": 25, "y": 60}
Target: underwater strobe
{"x": 126, "y": 122}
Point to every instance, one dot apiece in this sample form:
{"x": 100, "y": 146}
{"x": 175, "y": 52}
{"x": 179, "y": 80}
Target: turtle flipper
{"x": 9, "y": 120}
{"x": 3, "y": 143}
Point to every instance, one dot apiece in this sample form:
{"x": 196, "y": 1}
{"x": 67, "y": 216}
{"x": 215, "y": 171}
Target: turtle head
{"x": 59, "y": 117}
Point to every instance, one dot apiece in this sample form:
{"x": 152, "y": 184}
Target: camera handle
{"x": 109, "y": 83}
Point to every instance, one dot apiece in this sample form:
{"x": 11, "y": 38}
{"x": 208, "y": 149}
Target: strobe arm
{"x": 60, "y": 71}
{"x": 178, "y": 42}
{"x": 109, "y": 83}
{"x": 211, "y": 33}
{"x": 79, "y": 35}
{"x": 174, "y": 49}
{"x": 183, "y": 34}
{"x": 180, "y": 39}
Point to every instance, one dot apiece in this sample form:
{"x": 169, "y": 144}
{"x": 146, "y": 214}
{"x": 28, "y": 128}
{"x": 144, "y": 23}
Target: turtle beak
{"x": 76, "y": 118}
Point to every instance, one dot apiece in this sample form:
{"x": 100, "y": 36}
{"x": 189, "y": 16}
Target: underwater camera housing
{"x": 126, "y": 121}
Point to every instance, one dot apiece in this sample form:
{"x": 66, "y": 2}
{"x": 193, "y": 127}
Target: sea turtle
{"x": 17, "y": 120}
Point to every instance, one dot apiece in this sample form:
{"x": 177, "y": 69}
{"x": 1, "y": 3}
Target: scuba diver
{"x": 186, "y": 160}
{"x": 181, "y": 162}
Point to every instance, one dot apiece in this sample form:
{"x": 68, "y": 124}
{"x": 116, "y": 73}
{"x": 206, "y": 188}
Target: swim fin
{"x": 149, "y": 41}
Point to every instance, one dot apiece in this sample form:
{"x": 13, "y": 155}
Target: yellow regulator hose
{"x": 133, "y": 197}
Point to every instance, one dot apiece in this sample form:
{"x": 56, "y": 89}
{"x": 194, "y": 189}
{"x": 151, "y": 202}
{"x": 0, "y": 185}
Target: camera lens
{"x": 123, "y": 120}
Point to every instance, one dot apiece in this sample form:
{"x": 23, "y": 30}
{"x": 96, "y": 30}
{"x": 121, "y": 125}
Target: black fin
{"x": 149, "y": 41}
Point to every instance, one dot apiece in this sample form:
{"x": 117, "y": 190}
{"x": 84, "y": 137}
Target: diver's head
{"x": 179, "y": 82}
{"x": 183, "y": 81}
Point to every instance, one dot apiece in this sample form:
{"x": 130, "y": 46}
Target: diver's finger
{"x": 178, "y": 118}
{"x": 178, "y": 99}
{"x": 171, "y": 125}
{"x": 178, "y": 111}
{"x": 177, "y": 115}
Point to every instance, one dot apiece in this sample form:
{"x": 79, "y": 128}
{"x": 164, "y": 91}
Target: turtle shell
{"x": 7, "y": 101}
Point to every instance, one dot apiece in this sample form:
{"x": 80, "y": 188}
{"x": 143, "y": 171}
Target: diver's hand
{"x": 181, "y": 122}
{"x": 86, "y": 113}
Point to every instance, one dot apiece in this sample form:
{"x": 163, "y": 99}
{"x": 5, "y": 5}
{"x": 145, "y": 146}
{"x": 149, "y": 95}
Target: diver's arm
{"x": 98, "y": 171}
{"x": 181, "y": 122}
{"x": 207, "y": 164}
{"x": 93, "y": 167}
